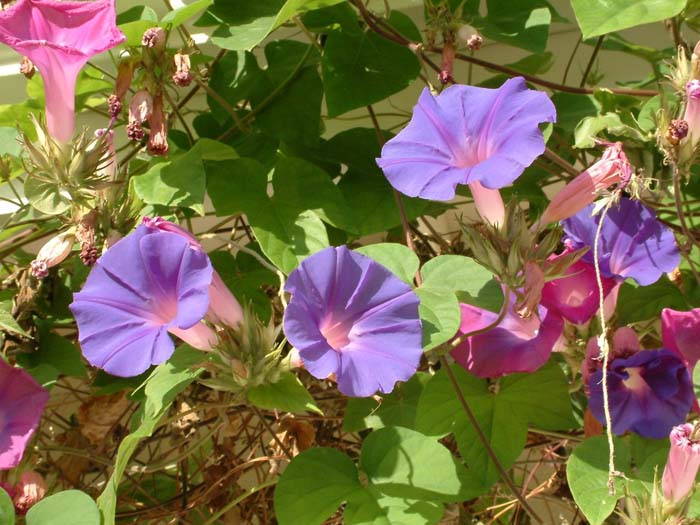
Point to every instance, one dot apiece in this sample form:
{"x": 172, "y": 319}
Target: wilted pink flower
{"x": 52, "y": 253}
{"x": 612, "y": 168}
{"x": 60, "y": 37}
{"x": 30, "y": 490}
{"x": 140, "y": 110}
{"x": 154, "y": 37}
{"x": 182, "y": 76}
{"x": 682, "y": 463}
{"x": 158, "y": 139}
{"x": 22, "y": 401}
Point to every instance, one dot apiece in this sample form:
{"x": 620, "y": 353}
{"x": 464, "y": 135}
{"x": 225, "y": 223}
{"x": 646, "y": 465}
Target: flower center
{"x": 336, "y": 332}
{"x": 634, "y": 381}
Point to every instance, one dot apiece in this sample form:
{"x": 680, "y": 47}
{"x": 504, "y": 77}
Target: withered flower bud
{"x": 140, "y": 110}
{"x": 114, "y": 106}
{"x": 154, "y": 38}
{"x": 677, "y": 130}
{"x": 475, "y": 42}
{"x": 52, "y": 253}
{"x": 26, "y": 67}
{"x": 86, "y": 236}
{"x": 182, "y": 76}
{"x": 447, "y": 64}
{"x": 158, "y": 139}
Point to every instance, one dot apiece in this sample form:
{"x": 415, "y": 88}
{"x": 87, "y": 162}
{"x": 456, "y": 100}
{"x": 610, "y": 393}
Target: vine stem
{"x": 485, "y": 442}
{"x": 605, "y": 350}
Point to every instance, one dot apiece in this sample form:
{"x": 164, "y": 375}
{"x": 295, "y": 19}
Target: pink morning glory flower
{"x": 516, "y": 345}
{"x": 682, "y": 463}
{"x": 681, "y": 333}
{"x": 149, "y": 283}
{"x": 22, "y": 400}
{"x": 59, "y": 37}
{"x": 467, "y": 135}
{"x": 351, "y": 317}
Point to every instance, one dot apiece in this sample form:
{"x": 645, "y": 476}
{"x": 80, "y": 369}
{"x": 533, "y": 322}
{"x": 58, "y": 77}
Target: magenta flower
{"x": 633, "y": 243}
{"x": 681, "y": 333}
{"x": 515, "y": 345}
{"x": 22, "y": 400}
{"x": 649, "y": 393}
{"x": 464, "y": 135}
{"x": 692, "y": 114}
{"x": 575, "y": 295}
{"x": 682, "y": 463}
{"x": 351, "y": 317}
{"x": 60, "y": 37}
{"x": 612, "y": 168}
{"x": 149, "y": 283}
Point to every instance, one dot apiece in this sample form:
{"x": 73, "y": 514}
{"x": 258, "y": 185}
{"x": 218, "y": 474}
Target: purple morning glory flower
{"x": 351, "y": 317}
{"x": 464, "y": 135}
{"x": 633, "y": 243}
{"x": 148, "y": 284}
{"x": 650, "y": 392}
{"x": 516, "y": 345}
{"x": 22, "y": 401}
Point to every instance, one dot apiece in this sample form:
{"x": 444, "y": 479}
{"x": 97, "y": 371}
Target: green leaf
{"x": 46, "y": 197}
{"x": 133, "y": 31}
{"x": 397, "y": 258}
{"x": 587, "y": 474}
{"x": 9, "y": 141}
{"x": 440, "y": 314}
{"x": 361, "y": 68}
{"x": 524, "y": 23}
{"x": 236, "y": 186}
{"x": 571, "y": 108}
{"x": 138, "y": 12}
{"x": 597, "y": 17}
{"x": 397, "y": 409}
{"x": 179, "y": 16}
{"x": 372, "y": 507}
{"x": 440, "y": 412}
{"x": 246, "y": 23}
{"x": 314, "y": 485}
{"x": 639, "y": 303}
{"x": 287, "y": 237}
{"x": 590, "y": 127}
{"x": 56, "y": 356}
{"x": 287, "y": 394}
{"x": 70, "y": 507}
{"x": 456, "y": 273}
{"x": 7, "y": 322}
{"x": 403, "y": 462}
{"x": 166, "y": 381}
{"x": 7, "y": 509}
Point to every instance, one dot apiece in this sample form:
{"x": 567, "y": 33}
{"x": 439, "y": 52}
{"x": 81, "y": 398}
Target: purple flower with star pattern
{"x": 351, "y": 317}
{"x": 633, "y": 243}
{"x": 649, "y": 393}
{"x": 22, "y": 401}
{"x": 148, "y": 284}
{"x": 465, "y": 135}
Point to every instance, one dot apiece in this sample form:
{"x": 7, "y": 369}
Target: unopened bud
{"x": 55, "y": 251}
{"x": 26, "y": 67}
{"x": 154, "y": 38}
{"x": 30, "y": 490}
{"x": 182, "y": 76}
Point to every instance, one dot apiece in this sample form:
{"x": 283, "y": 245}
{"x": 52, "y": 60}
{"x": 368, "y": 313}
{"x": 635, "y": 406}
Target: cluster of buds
{"x": 246, "y": 357}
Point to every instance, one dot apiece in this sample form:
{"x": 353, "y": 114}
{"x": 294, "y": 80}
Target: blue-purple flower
{"x": 351, "y": 317}
{"x": 464, "y": 135}
{"x": 148, "y": 284}
{"x": 649, "y": 393}
{"x": 22, "y": 401}
{"x": 516, "y": 345}
{"x": 633, "y": 243}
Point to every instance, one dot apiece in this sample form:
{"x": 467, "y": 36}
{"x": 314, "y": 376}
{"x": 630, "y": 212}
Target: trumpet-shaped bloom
{"x": 60, "y": 37}
{"x": 649, "y": 393}
{"x": 575, "y": 295}
{"x": 22, "y": 401}
{"x": 633, "y": 243}
{"x": 681, "y": 333}
{"x": 515, "y": 345}
{"x": 351, "y": 317}
{"x": 682, "y": 463}
{"x": 148, "y": 284}
{"x": 467, "y": 134}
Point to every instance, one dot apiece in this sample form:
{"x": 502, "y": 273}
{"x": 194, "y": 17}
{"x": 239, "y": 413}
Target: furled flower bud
{"x": 612, "y": 168}
{"x": 125, "y": 74}
{"x": 692, "y": 118}
{"x": 26, "y": 67}
{"x": 52, "y": 253}
{"x": 154, "y": 38}
{"x": 158, "y": 139}
{"x": 475, "y": 42}
{"x": 677, "y": 131}
{"x": 182, "y": 76}
{"x": 683, "y": 462}
{"x": 85, "y": 234}
{"x": 447, "y": 65}
{"x": 30, "y": 490}
{"x": 140, "y": 110}
{"x": 114, "y": 105}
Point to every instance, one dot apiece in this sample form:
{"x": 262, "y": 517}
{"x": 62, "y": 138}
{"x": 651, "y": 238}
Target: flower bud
{"x": 475, "y": 42}
{"x": 52, "y": 253}
{"x": 682, "y": 464}
{"x": 114, "y": 105}
{"x": 125, "y": 74}
{"x": 26, "y": 67}
{"x": 612, "y": 168}
{"x": 447, "y": 65}
{"x": 158, "y": 139}
{"x": 677, "y": 131}
{"x": 30, "y": 490}
{"x": 140, "y": 110}
{"x": 532, "y": 292}
{"x": 154, "y": 38}
{"x": 182, "y": 76}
